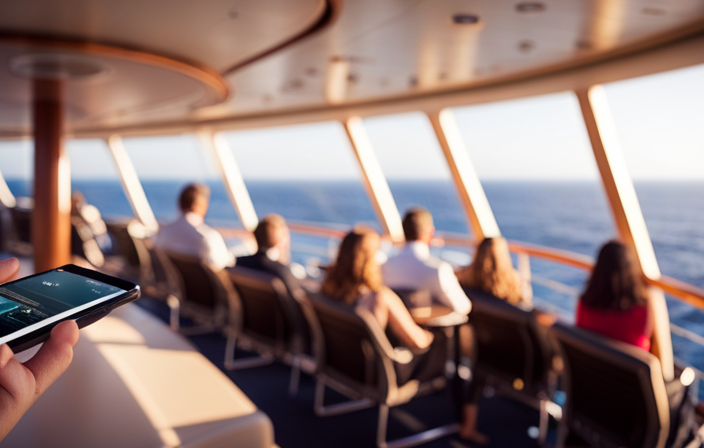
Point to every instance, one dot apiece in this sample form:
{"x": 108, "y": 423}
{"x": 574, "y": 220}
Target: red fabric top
{"x": 627, "y": 326}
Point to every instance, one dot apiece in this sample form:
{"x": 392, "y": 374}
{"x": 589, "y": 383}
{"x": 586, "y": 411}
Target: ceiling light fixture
{"x": 56, "y": 66}
{"x": 465, "y": 19}
{"x": 530, "y": 7}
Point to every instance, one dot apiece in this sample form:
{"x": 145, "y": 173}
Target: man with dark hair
{"x": 413, "y": 268}
{"x": 189, "y": 235}
{"x": 273, "y": 250}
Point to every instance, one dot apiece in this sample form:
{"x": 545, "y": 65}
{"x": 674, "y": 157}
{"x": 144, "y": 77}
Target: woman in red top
{"x": 615, "y": 303}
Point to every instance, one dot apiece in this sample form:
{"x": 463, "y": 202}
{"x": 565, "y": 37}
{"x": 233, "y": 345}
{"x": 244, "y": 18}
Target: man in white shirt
{"x": 413, "y": 268}
{"x": 189, "y": 235}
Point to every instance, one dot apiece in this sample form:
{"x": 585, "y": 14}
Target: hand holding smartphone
{"x": 30, "y": 307}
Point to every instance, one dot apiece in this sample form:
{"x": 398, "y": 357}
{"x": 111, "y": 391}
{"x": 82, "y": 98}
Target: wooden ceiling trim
{"x": 196, "y": 71}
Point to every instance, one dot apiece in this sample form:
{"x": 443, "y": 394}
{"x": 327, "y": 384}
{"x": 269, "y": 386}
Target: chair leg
{"x": 336, "y": 409}
{"x": 174, "y": 312}
{"x": 246, "y": 363}
{"x": 543, "y": 425}
{"x": 295, "y": 376}
{"x": 230, "y": 350}
{"x": 382, "y": 425}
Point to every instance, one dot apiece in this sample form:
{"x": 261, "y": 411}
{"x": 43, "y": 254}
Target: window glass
{"x": 415, "y": 168}
{"x": 307, "y": 174}
{"x": 94, "y": 174}
{"x": 658, "y": 121}
{"x": 304, "y": 173}
{"x": 17, "y": 166}
{"x": 538, "y": 171}
{"x": 166, "y": 164}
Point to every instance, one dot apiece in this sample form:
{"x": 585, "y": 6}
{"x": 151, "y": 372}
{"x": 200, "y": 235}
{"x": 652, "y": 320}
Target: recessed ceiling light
{"x": 526, "y": 46}
{"x": 465, "y": 19}
{"x": 530, "y": 7}
{"x": 583, "y": 45}
{"x": 56, "y": 66}
{"x": 652, "y": 11}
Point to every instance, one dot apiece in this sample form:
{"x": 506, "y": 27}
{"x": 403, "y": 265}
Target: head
{"x": 272, "y": 232}
{"x": 195, "y": 198}
{"x": 78, "y": 201}
{"x": 356, "y": 267}
{"x": 616, "y": 282}
{"x": 492, "y": 271}
{"x": 418, "y": 225}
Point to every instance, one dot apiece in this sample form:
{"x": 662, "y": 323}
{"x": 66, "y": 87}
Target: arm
{"x": 401, "y": 322}
{"x": 216, "y": 254}
{"x": 449, "y": 292}
{"x": 21, "y": 384}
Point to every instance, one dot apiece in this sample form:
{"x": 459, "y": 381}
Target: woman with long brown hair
{"x": 355, "y": 279}
{"x": 492, "y": 272}
{"x": 615, "y": 302}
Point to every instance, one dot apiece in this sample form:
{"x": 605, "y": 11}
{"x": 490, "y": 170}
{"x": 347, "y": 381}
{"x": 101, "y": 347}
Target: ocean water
{"x": 572, "y": 216}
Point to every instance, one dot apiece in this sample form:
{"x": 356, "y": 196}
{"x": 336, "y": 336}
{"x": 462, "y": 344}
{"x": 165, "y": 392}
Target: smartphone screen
{"x": 31, "y": 303}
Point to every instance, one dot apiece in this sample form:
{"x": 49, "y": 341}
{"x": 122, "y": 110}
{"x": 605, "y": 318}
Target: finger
{"x": 5, "y": 355}
{"x": 9, "y": 269}
{"x": 54, "y": 357}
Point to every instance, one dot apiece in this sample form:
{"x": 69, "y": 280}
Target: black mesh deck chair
{"x": 205, "y": 296}
{"x": 615, "y": 393}
{"x": 355, "y": 358}
{"x": 272, "y": 322}
{"x": 513, "y": 353}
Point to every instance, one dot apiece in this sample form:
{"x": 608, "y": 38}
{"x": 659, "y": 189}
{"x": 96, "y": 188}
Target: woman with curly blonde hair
{"x": 492, "y": 272}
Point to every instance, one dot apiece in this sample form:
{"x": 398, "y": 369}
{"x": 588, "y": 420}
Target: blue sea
{"x": 572, "y": 216}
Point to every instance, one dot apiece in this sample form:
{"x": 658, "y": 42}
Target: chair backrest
{"x": 267, "y": 314}
{"x": 346, "y": 350}
{"x": 616, "y": 395}
{"x": 510, "y": 344}
{"x": 199, "y": 285}
{"x": 124, "y": 242}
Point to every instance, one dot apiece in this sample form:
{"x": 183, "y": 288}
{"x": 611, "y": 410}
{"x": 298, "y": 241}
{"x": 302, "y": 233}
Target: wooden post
{"x": 374, "y": 180}
{"x": 626, "y": 211}
{"x": 51, "y": 219}
{"x": 479, "y": 214}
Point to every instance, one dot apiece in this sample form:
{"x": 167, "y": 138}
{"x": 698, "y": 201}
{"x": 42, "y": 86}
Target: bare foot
{"x": 475, "y": 437}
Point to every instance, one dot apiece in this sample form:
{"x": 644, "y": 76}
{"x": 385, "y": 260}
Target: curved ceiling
{"x": 374, "y": 50}
{"x": 158, "y": 59}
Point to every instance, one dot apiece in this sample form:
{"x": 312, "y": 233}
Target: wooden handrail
{"x": 677, "y": 288}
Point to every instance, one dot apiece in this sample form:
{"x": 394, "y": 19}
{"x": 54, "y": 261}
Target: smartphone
{"x": 30, "y": 307}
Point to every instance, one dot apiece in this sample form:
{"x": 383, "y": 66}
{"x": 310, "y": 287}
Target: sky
{"x": 658, "y": 118}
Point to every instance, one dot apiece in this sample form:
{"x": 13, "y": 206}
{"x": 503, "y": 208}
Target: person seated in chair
{"x": 189, "y": 235}
{"x": 273, "y": 250}
{"x": 615, "y": 302}
{"x": 415, "y": 269}
{"x": 355, "y": 279}
{"x": 492, "y": 272}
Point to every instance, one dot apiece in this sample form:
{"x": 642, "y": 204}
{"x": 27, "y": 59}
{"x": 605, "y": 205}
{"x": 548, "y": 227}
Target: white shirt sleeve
{"x": 449, "y": 292}
{"x": 215, "y": 253}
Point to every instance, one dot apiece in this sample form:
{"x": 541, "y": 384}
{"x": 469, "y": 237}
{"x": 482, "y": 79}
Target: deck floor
{"x": 505, "y": 421}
